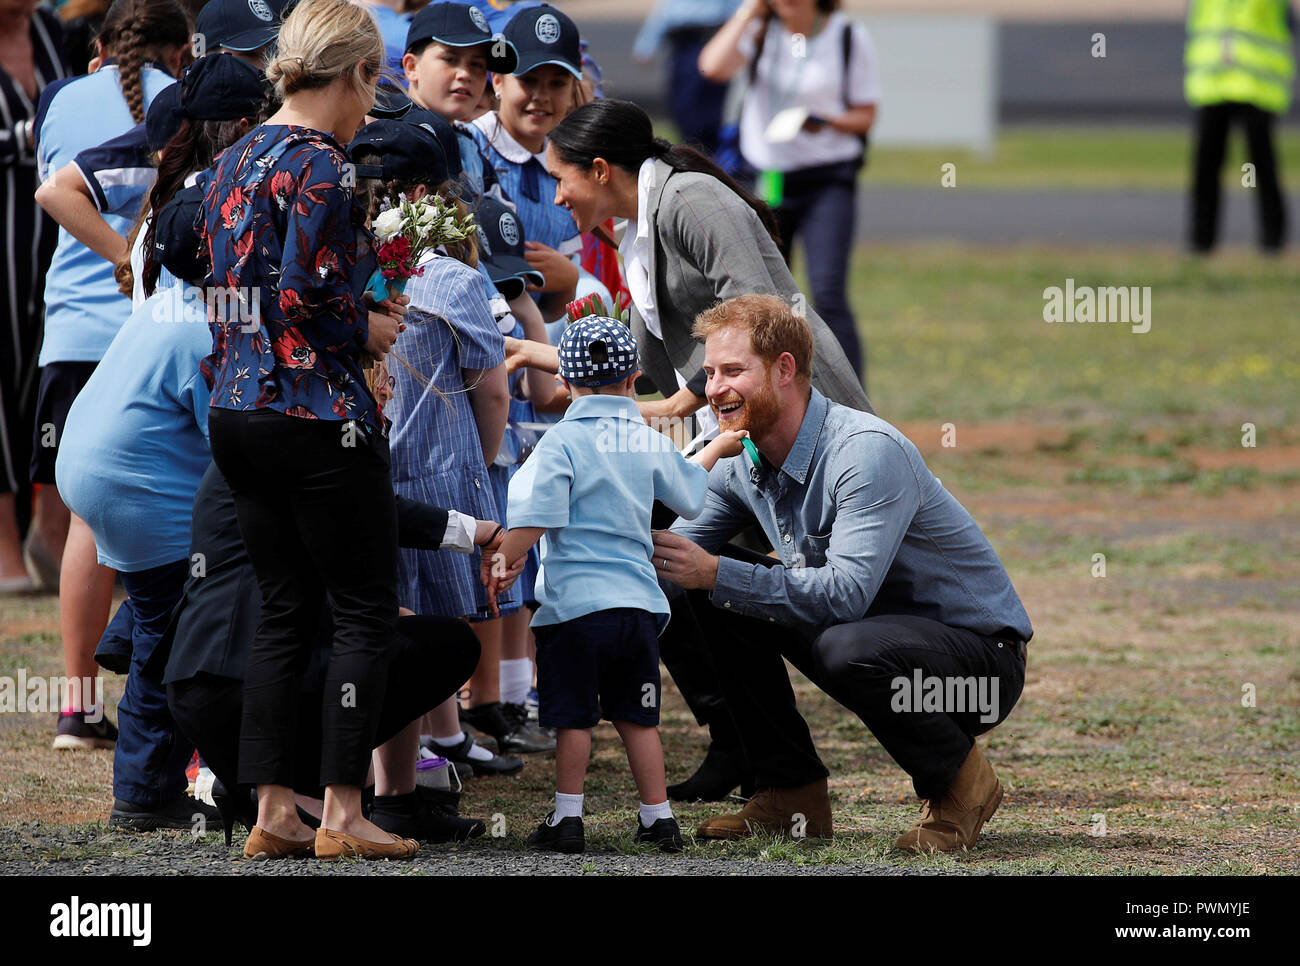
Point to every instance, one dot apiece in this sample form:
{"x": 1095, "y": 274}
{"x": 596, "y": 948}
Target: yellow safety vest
{"x": 1239, "y": 50}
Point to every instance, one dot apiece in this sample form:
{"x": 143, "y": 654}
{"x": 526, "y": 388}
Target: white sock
{"x": 566, "y": 806}
{"x": 476, "y": 752}
{"x": 652, "y": 813}
{"x": 516, "y": 679}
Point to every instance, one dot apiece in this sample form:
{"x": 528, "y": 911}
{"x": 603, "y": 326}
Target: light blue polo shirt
{"x": 135, "y": 444}
{"x": 83, "y": 307}
{"x": 592, "y": 482}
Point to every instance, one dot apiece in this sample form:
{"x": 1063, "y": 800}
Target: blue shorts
{"x": 600, "y": 665}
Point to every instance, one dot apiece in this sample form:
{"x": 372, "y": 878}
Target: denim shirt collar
{"x": 800, "y": 456}
{"x": 601, "y": 406}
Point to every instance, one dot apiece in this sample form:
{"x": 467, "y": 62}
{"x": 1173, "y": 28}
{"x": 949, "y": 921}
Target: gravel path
{"x": 37, "y": 849}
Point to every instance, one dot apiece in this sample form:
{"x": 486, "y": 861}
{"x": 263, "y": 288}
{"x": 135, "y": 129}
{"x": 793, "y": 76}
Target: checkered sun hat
{"x": 597, "y": 351}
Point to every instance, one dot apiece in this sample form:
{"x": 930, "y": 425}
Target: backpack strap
{"x": 846, "y": 49}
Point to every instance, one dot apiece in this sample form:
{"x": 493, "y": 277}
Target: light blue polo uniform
{"x": 83, "y": 307}
{"x": 136, "y": 441}
{"x": 592, "y": 482}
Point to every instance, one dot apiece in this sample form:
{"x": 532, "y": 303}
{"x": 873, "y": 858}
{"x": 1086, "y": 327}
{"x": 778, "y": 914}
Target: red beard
{"x": 760, "y": 412}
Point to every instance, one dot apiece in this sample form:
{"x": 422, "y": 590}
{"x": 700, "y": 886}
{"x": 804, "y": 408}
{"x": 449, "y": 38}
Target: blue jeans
{"x": 819, "y": 207}
{"x": 151, "y": 755}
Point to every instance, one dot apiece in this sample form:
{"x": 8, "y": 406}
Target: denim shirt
{"x": 862, "y": 528}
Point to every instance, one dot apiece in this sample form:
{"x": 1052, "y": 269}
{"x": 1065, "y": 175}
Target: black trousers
{"x": 318, "y": 517}
{"x": 884, "y": 669}
{"x": 1212, "y": 125}
{"x": 430, "y": 659}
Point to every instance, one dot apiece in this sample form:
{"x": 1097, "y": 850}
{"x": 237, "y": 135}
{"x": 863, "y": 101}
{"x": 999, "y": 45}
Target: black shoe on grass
{"x": 566, "y": 836}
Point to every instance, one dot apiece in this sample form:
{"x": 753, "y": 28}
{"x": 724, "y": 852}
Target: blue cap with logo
{"x": 240, "y": 24}
{"x": 597, "y": 351}
{"x": 501, "y": 248}
{"x": 544, "y": 35}
{"x": 460, "y": 25}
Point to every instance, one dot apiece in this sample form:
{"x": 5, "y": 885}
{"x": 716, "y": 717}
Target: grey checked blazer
{"x": 710, "y": 246}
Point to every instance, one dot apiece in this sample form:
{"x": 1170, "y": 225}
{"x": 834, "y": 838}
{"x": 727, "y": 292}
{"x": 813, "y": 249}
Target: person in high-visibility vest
{"x": 1240, "y": 62}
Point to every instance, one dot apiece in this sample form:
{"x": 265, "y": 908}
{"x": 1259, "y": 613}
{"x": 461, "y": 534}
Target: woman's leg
{"x": 829, "y": 218}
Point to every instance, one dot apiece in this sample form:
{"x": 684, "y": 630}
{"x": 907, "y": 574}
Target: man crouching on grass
{"x": 885, "y": 586}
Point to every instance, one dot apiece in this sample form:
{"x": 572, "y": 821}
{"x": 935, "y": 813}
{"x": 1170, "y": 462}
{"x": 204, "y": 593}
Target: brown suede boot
{"x": 802, "y": 812}
{"x": 954, "y": 821}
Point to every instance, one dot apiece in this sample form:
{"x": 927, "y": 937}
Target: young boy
{"x": 586, "y": 492}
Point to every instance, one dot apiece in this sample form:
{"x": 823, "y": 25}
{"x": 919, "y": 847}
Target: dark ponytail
{"x": 622, "y": 134}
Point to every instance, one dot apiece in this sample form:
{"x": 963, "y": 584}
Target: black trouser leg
{"x": 313, "y": 511}
{"x": 882, "y": 670}
{"x": 1271, "y": 201}
{"x": 431, "y": 658}
{"x": 1211, "y": 142}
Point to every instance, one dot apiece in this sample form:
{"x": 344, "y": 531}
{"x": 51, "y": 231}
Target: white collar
{"x": 638, "y": 231}
{"x": 503, "y": 143}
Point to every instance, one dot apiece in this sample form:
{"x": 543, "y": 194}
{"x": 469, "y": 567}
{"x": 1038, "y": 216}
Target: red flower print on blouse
{"x": 292, "y": 351}
{"x": 232, "y": 208}
{"x": 302, "y": 412}
{"x": 282, "y": 187}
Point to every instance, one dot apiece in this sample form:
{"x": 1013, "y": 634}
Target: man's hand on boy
{"x": 685, "y": 563}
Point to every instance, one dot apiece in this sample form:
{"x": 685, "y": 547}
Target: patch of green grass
{"x": 1078, "y": 157}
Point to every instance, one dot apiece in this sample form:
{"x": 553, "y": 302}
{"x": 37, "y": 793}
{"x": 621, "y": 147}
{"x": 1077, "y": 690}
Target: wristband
{"x": 495, "y": 532}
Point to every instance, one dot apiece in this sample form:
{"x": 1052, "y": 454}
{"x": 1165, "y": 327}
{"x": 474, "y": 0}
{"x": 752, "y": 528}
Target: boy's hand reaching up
{"x": 723, "y": 445}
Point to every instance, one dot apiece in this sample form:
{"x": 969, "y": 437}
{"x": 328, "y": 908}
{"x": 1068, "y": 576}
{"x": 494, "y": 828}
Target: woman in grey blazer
{"x": 694, "y": 238}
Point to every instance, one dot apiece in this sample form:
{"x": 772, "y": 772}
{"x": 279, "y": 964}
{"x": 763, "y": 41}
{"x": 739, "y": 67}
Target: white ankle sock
{"x": 652, "y": 813}
{"x": 516, "y": 679}
{"x": 476, "y": 753}
{"x": 566, "y": 806}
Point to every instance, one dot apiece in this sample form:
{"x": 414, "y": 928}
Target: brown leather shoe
{"x": 803, "y": 812}
{"x": 332, "y": 844}
{"x": 263, "y": 845}
{"x": 954, "y": 821}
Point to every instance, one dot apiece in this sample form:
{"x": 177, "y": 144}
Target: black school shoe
{"x": 512, "y": 731}
{"x": 458, "y": 755}
{"x": 566, "y": 837}
{"x": 181, "y": 812}
{"x": 663, "y": 835}
{"x": 426, "y": 814}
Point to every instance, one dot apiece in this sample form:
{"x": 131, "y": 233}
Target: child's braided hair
{"x": 135, "y": 31}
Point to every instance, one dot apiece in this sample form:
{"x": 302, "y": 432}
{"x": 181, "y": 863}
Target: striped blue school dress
{"x": 437, "y": 456}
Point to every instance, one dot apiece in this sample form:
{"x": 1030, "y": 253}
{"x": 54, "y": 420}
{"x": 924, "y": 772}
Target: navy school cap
{"x": 390, "y": 102}
{"x": 544, "y": 35}
{"x": 501, "y": 247}
{"x": 597, "y": 351}
{"x": 164, "y": 117}
{"x": 222, "y": 87}
{"x": 408, "y": 153}
{"x": 178, "y": 246}
{"x": 460, "y": 25}
{"x": 240, "y": 24}
{"x": 442, "y": 129}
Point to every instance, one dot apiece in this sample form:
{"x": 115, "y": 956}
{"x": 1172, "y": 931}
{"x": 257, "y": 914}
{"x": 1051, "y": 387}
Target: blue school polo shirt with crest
{"x": 83, "y": 307}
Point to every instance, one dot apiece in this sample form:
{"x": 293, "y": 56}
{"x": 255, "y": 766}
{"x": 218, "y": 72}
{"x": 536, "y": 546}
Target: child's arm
{"x": 68, "y": 200}
{"x": 500, "y": 569}
{"x": 725, "y": 444}
{"x": 489, "y": 400}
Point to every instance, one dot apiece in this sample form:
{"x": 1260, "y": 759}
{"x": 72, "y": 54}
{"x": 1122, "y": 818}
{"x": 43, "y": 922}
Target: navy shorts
{"x": 61, "y": 383}
{"x": 600, "y": 665}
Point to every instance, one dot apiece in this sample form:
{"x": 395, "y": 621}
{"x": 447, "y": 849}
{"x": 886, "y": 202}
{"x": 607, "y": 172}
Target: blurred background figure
{"x": 31, "y": 57}
{"x": 1240, "y": 62}
{"x": 814, "y": 82}
{"x": 695, "y": 103}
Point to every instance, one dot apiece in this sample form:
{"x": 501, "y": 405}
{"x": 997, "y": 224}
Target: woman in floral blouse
{"x": 294, "y": 429}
